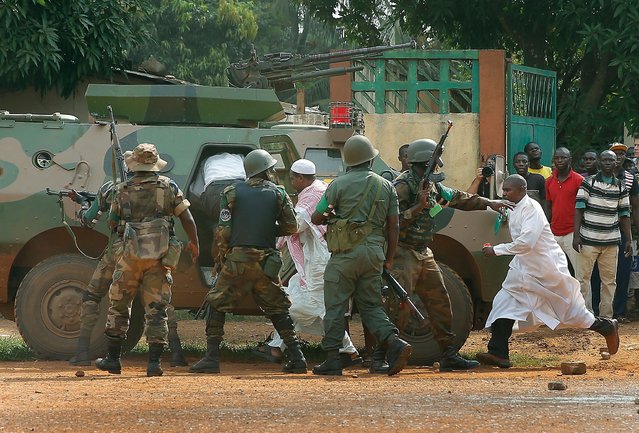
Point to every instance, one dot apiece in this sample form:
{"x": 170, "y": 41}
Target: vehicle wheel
{"x": 47, "y": 308}
{"x": 425, "y": 348}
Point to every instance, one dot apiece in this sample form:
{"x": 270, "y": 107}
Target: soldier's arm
{"x": 409, "y": 207}
{"x": 225, "y": 225}
{"x": 89, "y": 216}
{"x": 181, "y": 210}
{"x": 325, "y": 208}
{"x": 286, "y": 221}
{"x": 188, "y": 223}
{"x": 392, "y": 231}
{"x": 464, "y": 201}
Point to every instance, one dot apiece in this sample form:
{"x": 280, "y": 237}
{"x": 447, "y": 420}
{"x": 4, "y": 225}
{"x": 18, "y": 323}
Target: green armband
{"x": 322, "y": 206}
{"x": 435, "y": 210}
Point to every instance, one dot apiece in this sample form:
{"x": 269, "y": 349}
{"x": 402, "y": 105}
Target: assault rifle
{"x": 117, "y": 166}
{"x": 80, "y": 197}
{"x": 403, "y": 296}
{"x": 435, "y": 160}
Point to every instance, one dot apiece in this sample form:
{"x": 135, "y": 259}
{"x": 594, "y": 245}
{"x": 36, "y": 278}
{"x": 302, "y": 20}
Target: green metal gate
{"x": 531, "y": 110}
{"x": 418, "y": 81}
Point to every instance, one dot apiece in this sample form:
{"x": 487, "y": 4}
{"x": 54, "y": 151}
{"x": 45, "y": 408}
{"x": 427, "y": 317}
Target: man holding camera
{"x": 481, "y": 183}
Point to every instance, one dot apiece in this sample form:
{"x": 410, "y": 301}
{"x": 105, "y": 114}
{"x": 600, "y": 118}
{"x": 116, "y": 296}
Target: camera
{"x": 487, "y": 171}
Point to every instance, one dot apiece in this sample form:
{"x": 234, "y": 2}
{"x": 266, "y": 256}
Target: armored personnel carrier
{"x": 42, "y": 272}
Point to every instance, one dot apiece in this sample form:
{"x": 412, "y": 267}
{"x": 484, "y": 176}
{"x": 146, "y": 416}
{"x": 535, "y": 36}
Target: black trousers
{"x": 501, "y": 330}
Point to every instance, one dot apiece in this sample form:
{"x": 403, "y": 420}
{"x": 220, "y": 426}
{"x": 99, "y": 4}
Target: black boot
{"x": 331, "y": 367}
{"x": 451, "y": 360}
{"x": 177, "y": 356}
{"x": 609, "y": 328}
{"x": 350, "y": 360}
{"x": 154, "y": 368}
{"x": 283, "y": 324}
{"x": 397, "y": 354}
{"x": 296, "y": 362}
{"x": 111, "y": 362}
{"x": 379, "y": 364}
{"x": 211, "y": 361}
{"x": 82, "y": 354}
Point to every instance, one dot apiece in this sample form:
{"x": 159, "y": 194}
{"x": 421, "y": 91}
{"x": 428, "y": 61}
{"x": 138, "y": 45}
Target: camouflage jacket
{"x": 171, "y": 203}
{"x": 286, "y": 222}
{"x": 416, "y": 231}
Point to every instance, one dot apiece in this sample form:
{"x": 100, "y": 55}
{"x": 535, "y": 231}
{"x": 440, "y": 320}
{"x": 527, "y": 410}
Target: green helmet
{"x": 257, "y": 161}
{"x": 421, "y": 150}
{"x": 357, "y": 150}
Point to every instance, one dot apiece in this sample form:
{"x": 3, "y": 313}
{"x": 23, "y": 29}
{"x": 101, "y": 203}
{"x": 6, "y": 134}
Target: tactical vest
{"x": 255, "y": 213}
{"x": 419, "y": 233}
{"x": 146, "y": 208}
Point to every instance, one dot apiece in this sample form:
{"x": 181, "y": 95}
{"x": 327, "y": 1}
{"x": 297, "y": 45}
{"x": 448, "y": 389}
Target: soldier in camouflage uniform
{"x": 253, "y": 213}
{"x": 415, "y": 267}
{"x": 142, "y": 209}
{"x": 361, "y": 210}
{"x": 98, "y": 287}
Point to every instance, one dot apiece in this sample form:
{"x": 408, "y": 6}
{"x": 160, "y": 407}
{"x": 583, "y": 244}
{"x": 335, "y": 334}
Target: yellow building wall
{"x": 461, "y": 151}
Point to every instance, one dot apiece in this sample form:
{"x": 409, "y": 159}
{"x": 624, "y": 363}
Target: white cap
{"x": 303, "y": 166}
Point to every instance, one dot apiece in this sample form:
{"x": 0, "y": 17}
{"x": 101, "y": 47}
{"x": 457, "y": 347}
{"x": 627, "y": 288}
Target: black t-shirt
{"x": 536, "y": 187}
{"x": 484, "y": 188}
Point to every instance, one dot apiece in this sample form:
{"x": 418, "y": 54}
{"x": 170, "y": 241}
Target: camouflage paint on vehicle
{"x": 57, "y": 152}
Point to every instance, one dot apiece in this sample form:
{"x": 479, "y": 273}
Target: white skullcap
{"x": 303, "y": 166}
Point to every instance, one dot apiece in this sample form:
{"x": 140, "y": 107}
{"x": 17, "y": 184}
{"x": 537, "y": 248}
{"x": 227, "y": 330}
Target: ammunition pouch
{"x": 147, "y": 240}
{"x": 272, "y": 264}
{"x": 343, "y": 235}
{"x": 172, "y": 256}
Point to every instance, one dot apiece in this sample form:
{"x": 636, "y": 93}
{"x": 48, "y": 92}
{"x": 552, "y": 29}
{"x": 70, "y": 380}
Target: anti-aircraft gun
{"x": 280, "y": 71}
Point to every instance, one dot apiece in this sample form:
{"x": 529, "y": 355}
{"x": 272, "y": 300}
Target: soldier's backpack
{"x": 146, "y": 217}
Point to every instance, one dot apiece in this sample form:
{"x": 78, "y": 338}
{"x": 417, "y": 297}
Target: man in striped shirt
{"x": 602, "y": 207}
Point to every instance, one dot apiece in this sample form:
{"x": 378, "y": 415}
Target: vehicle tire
{"x": 426, "y": 351}
{"x": 47, "y": 308}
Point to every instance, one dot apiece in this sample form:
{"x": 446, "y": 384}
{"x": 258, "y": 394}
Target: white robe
{"x": 538, "y": 288}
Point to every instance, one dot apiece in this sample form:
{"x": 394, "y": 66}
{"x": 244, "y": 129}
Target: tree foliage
{"x": 197, "y": 39}
{"x": 593, "y": 45}
{"x": 54, "y": 44}
{"x": 287, "y": 26}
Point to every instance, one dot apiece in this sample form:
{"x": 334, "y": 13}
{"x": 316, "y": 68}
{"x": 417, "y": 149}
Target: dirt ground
{"x": 47, "y": 396}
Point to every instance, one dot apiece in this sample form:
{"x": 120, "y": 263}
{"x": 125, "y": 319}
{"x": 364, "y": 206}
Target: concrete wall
{"x": 461, "y": 153}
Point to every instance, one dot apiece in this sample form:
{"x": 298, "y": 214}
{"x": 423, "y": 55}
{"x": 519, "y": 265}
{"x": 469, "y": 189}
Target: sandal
{"x": 264, "y": 351}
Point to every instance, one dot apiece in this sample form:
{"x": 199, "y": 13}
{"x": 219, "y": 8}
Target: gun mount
{"x": 281, "y": 70}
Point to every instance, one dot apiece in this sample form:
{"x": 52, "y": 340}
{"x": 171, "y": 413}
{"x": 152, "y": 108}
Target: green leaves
{"x": 592, "y": 44}
{"x": 54, "y": 44}
{"x": 196, "y": 39}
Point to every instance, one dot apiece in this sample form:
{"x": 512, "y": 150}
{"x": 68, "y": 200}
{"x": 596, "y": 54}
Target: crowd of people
{"x": 342, "y": 236}
{"x": 591, "y": 209}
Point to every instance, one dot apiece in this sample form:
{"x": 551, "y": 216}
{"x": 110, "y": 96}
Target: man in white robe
{"x": 310, "y": 255}
{"x": 538, "y": 288}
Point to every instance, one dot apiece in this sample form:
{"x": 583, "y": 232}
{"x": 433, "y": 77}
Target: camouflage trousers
{"x": 242, "y": 276}
{"x": 419, "y": 273}
{"x": 98, "y": 288}
{"x": 154, "y": 281}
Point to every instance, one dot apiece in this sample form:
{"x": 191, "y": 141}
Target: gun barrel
{"x": 402, "y": 294}
{"x": 317, "y": 74}
{"x": 358, "y": 52}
